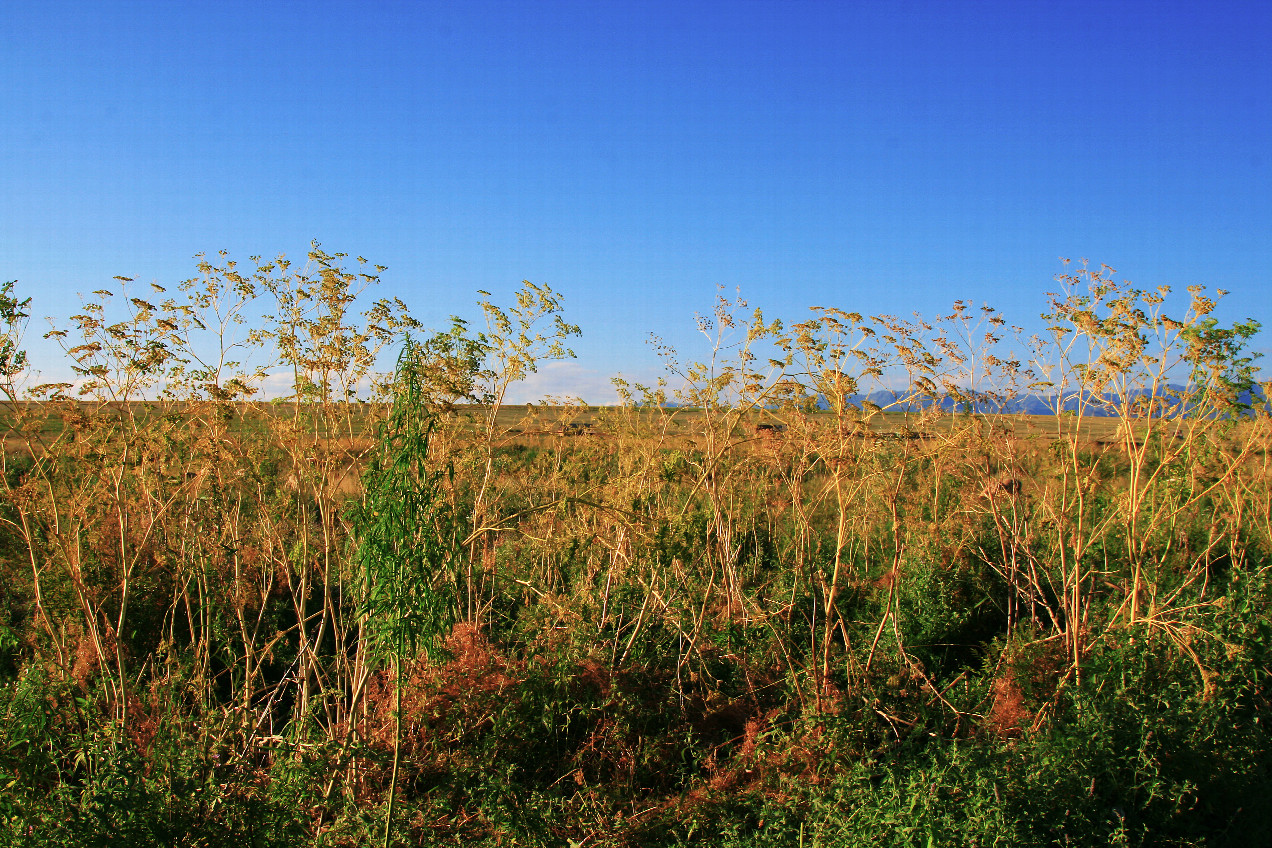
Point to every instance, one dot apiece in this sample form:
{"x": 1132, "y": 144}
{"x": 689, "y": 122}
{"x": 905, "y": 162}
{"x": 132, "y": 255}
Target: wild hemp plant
{"x": 733, "y": 381}
{"x": 122, "y": 354}
{"x": 850, "y": 377}
{"x": 857, "y": 374}
{"x": 831, "y": 362}
{"x": 405, "y": 528}
{"x": 975, "y": 366}
{"x": 451, "y": 371}
{"x": 1171, "y": 385}
{"x": 723, "y": 390}
{"x": 1222, "y": 371}
{"x": 517, "y": 340}
{"x": 101, "y": 493}
{"x": 215, "y": 309}
{"x": 218, "y": 537}
{"x": 116, "y": 510}
{"x": 332, "y": 346}
{"x": 978, "y": 371}
{"x": 407, "y": 541}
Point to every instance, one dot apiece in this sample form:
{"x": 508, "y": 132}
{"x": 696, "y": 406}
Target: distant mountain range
{"x": 1098, "y": 406}
{"x": 1105, "y": 405}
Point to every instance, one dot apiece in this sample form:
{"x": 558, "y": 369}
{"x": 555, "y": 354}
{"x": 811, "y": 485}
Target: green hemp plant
{"x": 406, "y": 536}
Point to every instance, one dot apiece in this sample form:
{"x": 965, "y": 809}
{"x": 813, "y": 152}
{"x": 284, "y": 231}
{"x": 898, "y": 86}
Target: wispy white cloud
{"x": 276, "y": 385}
{"x": 567, "y": 379}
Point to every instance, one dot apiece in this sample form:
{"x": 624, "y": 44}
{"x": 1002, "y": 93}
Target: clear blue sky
{"x": 879, "y": 157}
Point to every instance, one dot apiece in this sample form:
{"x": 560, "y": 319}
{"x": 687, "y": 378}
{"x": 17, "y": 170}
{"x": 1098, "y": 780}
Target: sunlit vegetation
{"x": 814, "y": 588}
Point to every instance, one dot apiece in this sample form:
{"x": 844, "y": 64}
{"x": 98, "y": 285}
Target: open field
{"x": 658, "y": 627}
{"x": 541, "y": 420}
{"x": 745, "y": 619}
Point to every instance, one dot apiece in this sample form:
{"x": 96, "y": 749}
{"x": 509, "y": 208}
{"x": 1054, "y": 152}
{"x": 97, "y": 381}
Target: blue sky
{"x": 878, "y": 157}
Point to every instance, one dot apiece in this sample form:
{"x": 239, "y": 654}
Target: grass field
{"x": 740, "y": 621}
